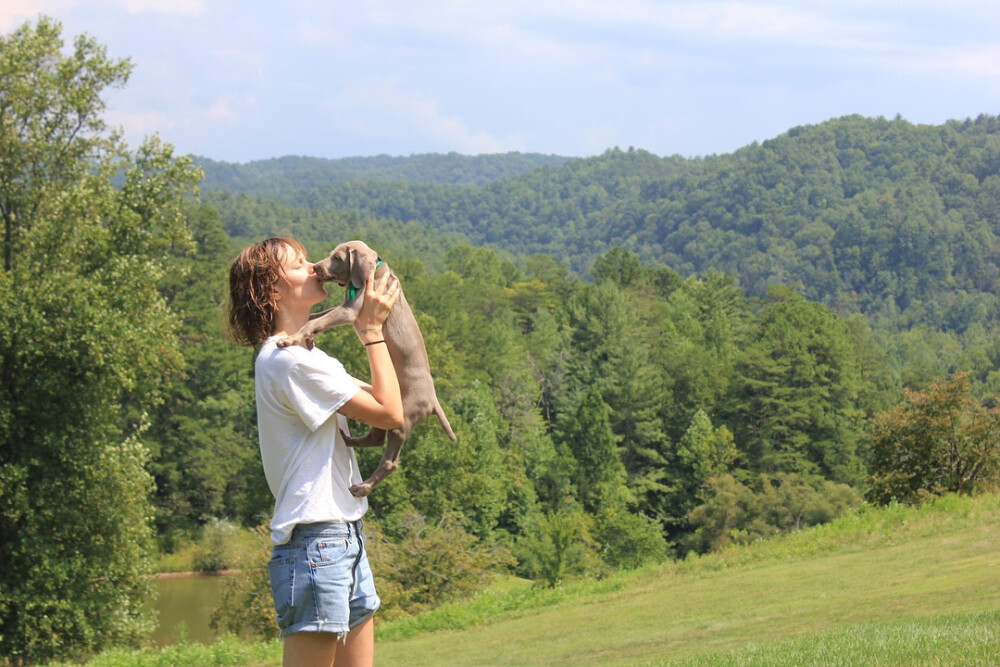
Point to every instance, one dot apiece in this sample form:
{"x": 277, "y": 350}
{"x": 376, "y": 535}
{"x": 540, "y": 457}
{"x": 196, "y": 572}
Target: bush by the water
{"x": 218, "y": 548}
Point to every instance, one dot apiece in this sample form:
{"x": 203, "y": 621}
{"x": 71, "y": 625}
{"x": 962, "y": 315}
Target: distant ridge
{"x": 276, "y": 176}
{"x": 895, "y": 220}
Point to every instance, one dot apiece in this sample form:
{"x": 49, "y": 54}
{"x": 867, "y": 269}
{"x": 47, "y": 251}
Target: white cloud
{"x": 812, "y": 24}
{"x": 244, "y": 60}
{"x": 175, "y": 7}
{"x": 15, "y": 12}
{"x": 506, "y": 39}
{"x": 220, "y": 110}
{"x": 731, "y": 19}
{"x": 983, "y": 62}
{"x": 380, "y": 107}
{"x": 138, "y": 125}
{"x": 974, "y": 62}
{"x": 555, "y": 75}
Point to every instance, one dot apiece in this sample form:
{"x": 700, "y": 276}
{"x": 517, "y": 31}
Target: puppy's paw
{"x": 361, "y": 490}
{"x": 302, "y": 340}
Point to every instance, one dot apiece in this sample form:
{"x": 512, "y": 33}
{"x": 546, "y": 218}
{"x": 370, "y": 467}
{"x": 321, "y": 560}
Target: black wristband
{"x": 375, "y": 342}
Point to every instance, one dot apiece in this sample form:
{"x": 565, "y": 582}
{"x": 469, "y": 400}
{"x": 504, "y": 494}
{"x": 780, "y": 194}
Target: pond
{"x": 184, "y": 606}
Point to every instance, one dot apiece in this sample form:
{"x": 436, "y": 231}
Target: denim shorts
{"x": 321, "y": 580}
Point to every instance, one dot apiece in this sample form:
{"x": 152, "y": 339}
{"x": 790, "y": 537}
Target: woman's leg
{"x": 323, "y": 649}
{"x": 359, "y": 649}
{"x": 309, "y": 649}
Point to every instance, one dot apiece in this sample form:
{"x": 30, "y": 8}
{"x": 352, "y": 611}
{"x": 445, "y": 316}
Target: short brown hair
{"x": 252, "y": 277}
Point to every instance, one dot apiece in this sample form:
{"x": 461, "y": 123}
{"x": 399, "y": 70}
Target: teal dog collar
{"x": 352, "y": 291}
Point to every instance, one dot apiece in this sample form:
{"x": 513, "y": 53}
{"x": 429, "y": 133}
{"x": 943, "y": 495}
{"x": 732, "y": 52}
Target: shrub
{"x": 429, "y": 563}
{"x": 938, "y": 441}
{"x": 219, "y": 548}
{"x": 246, "y": 607}
{"x": 733, "y": 513}
{"x": 629, "y": 540}
{"x": 557, "y": 544}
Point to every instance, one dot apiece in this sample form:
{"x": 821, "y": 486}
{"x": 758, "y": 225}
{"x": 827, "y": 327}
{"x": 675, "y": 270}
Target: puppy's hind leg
{"x": 373, "y": 438}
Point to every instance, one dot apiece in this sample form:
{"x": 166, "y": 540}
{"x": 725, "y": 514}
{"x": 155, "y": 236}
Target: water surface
{"x": 184, "y": 607}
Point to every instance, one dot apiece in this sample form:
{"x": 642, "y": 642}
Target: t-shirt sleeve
{"x": 316, "y": 386}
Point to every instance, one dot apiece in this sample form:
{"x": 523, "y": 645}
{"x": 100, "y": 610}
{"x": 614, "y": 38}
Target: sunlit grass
{"x": 225, "y": 652}
{"x": 948, "y": 639}
{"x": 833, "y": 586}
{"x": 883, "y": 586}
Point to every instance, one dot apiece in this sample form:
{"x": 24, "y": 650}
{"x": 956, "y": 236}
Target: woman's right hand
{"x": 380, "y": 296}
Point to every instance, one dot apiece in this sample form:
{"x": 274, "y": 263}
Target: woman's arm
{"x": 381, "y": 406}
{"x": 364, "y": 385}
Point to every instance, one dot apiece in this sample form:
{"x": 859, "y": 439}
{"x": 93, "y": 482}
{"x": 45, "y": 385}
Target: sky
{"x": 242, "y": 80}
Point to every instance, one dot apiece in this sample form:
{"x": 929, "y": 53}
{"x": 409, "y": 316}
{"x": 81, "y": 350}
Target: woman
{"x": 321, "y": 583}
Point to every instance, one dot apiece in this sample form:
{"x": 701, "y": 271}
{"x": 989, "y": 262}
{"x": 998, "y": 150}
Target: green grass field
{"x": 889, "y": 586}
{"x": 886, "y": 587}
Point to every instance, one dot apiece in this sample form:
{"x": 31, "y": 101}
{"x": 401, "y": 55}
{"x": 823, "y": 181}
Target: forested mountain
{"x": 884, "y": 217}
{"x": 279, "y": 176}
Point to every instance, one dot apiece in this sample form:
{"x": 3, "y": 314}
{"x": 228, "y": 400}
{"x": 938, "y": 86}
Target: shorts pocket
{"x": 329, "y": 550}
{"x": 282, "y": 574}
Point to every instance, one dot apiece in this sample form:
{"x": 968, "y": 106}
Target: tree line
{"x": 885, "y": 218}
{"x": 643, "y": 413}
{"x": 894, "y": 220}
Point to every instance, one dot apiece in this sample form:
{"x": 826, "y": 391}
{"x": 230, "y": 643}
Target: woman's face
{"x": 298, "y": 285}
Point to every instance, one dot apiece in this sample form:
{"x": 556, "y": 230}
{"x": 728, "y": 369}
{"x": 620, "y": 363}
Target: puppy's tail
{"x": 444, "y": 421}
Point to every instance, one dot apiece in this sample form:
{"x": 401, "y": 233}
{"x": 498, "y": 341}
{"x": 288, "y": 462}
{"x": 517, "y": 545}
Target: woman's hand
{"x": 380, "y": 296}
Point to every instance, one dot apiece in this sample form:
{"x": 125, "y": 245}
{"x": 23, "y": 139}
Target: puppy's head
{"x": 351, "y": 262}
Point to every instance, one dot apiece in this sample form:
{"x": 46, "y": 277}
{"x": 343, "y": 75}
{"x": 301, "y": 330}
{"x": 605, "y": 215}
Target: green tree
{"x": 466, "y": 479}
{"x": 703, "y": 453}
{"x": 730, "y": 512}
{"x": 708, "y": 452}
{"x": 557, "y": 544}
{"x": 703, "y": 330}
{"x": 619, "y": 266}
{"x": 794, "y": 408}
{"x": 246, "y": 607}
{"x": 202, "y": 438}
{"x": 87, "y": 344}
{"x": 936, "y": 441}
{"x": 613, "y": 357}
{"x": 598, "y": 473}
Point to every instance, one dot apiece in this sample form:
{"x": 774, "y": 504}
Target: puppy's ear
{"x": 362, "y": 266}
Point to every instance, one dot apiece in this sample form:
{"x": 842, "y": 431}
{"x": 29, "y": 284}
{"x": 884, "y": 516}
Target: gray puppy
{"x": 349, "y": 265}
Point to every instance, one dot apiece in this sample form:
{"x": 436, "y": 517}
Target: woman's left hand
{"x": 380, "y": 296}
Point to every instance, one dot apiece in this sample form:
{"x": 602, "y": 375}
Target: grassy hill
{"x": 884, "y": 586}
{"x": 890, "y": 586}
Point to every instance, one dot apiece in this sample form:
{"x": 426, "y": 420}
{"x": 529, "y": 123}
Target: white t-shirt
{"x": 307, "y": 464}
